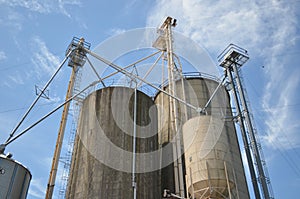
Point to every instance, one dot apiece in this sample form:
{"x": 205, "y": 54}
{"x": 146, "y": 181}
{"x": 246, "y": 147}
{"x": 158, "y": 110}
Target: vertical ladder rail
{"x": 59, "y": 141}
{"x": 264, "y": 178}
{"x": 76, "y": 106}
{"x": 77, "y": 50}
{"x": 244, "y": 136}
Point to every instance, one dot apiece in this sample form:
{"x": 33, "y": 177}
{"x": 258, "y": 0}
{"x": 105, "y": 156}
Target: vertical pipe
{"x": 60, "y": 137}
{"x": 227, "y": 180}
{"x": 183, "y": 89}
{"x": 171, "y": 111}
{"x": 244, "y": 136}
{"x": 174, "y": 115}
{"x": 186, "y": 186}
{"x": 134, "y": 143}
{"x": 252, "y": 135}
{"x": 184, "y": 98}
{"x": 162, "y": 114}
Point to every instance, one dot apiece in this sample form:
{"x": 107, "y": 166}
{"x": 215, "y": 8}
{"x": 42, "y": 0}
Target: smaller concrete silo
{"x": 211, "y": 156}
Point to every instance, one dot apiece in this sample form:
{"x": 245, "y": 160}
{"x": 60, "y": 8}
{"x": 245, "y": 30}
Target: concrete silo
{"x": 102, "y": 156}
{"x": 212, "y": 164}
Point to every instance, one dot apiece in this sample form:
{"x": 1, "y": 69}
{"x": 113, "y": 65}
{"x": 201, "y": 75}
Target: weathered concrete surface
{"x": 102, "y": 156}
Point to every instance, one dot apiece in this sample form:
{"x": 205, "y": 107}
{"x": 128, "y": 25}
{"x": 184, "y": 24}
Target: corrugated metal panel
{"x": 14, "y": 179}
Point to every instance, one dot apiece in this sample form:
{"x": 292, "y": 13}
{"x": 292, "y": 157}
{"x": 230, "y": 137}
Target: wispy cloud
{"x": 44, "y": 64}
{"x": 116, "y": 31}
{"x": 43, "y": 7}
{"x": 265, "y": 28}
{"x": 215, "y": 24}
{"x": 283, "y": 124}
{"x": 44, "y": 61}
{"x": 36, "y": 188}
{"x": 17, "y": 78}
{"x": 2, "y": 55}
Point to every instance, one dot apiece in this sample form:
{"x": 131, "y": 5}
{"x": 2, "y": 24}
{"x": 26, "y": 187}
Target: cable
{"x": 38, "y": 97}
{"x": 283, "y": 153}
{"x": 48, "y": 114}
{"x": 17, "y": 109}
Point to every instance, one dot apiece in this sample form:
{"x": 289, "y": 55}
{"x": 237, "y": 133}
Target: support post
{"x": 77, "y": 51}
{"x": 227, "y": 180}
{"x": 179, "y": 184}
{"x": 134, "y": 143}
{"x": 244, "y": 136}
{"x": 230, "y": 59}
{"x": 61, "y": 132}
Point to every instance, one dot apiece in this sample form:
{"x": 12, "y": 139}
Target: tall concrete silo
{"x": 102, "y": 156}
{"x": 211, "y": 156}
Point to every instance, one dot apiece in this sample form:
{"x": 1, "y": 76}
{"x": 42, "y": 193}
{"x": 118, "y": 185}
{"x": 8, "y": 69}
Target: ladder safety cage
{"x": 231, "y": 59}
{"x": 78, "y": 55}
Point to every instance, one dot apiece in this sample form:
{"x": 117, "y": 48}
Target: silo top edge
{"x": 117, "y": 86}
{"x": 16, "y": 162}
{"x": 190, "y": 76}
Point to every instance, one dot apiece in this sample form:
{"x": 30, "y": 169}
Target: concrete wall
{"x": 102, "y": 157}
{"x": 209, "y": 142}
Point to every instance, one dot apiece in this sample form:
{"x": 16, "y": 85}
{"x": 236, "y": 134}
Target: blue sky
{"x": 35, "y": 34}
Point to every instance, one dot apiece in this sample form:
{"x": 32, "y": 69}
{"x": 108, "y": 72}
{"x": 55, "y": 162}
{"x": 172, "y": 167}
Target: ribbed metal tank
{"x": 212, "y": 161}
{"x": 102, "y": 156}
{"x": 14, "y": 179}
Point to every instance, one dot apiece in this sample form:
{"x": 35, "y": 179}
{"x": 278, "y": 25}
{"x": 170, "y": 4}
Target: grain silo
{"x": 14, "y": 178}
{"x": 187, "y": 125}
{"x": 212, "y": 164}
{"x": 102, "y": 157}
{"x": 129, "y": 145}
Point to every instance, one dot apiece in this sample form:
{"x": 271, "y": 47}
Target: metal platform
{"x": 78, "y": 56}
{"x": 233, "y": 54}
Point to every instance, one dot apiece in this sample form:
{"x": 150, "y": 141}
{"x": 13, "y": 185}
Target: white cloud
{"x": 116, "y": 31}
{"x": 46, "y": 162}
{"x": 63, "y": 3}
{"x": 44, "y": 7}
{"x": 216, "y": 24}
{"x": 56, "y": 99}
{"x": 283, "y": 124}
{"x": 36, "y": 188}
{"x": 17, "y": 78}
{"x": 45, "y": 62}
{"x": 265, "y": 28}
{"x": 2, "y": 55}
